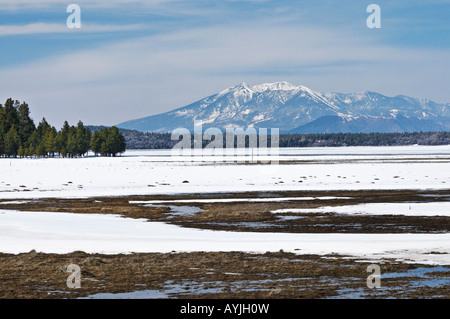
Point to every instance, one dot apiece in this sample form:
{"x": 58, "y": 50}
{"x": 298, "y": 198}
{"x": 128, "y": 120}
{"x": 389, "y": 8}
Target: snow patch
{"x": 406, "y": 209}
{"x": 61, "y": 233}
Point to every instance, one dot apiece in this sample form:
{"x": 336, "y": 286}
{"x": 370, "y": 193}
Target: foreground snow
{"x": 111, "y": 234}
{"x": 156, "y": 172}
{"x": 407, "y": 209}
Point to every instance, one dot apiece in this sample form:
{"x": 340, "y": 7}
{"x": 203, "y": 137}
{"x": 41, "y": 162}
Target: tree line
{"x": 141, "y": 140}
{"x": 364, "y": 139}
{"x": 20, "y": 137}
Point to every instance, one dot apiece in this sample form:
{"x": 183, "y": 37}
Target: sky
{"x": 132, "y": 59}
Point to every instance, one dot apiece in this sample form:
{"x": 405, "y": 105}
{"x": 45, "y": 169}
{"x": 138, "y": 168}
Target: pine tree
{"x": 10, "y": 116}
{"x": 72, "y": 148}
{"x": 26, "y": 124}
{"x": 33, "y": 141}
{"x": 83, "y": 139}
{"x": 117, "y": 141}
{"x": 12, "y": 142}
{"x": 31, "y": 151}
{"x": 21, "y": 152}
{"x": 43, "y": 127}
{"x": 96, "y": 142}
{"x": 40, "y": 151}
{"x": 49, "y": 140}
{"x": 62, "y": 139}
{"x": 104, "y": 149}
{"x": 38, "y": 138}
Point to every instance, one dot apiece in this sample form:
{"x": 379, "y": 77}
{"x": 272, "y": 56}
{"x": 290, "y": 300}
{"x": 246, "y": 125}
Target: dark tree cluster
{"x": 140, "y": 140}
{"x": 108, "y": 142}
{"x": 19, "y": 136}
{"x": 365, "y": 139}
{"x": 143, "y": 141}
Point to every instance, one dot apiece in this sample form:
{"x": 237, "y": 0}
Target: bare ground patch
{"x": 211, "y": 275}
{"x": 258, "y": 216}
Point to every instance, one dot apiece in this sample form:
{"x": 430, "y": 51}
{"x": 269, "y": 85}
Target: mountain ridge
{"x": 289, "y": 107}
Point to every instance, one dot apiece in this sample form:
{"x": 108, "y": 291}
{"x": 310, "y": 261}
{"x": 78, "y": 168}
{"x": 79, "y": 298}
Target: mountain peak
{"x": 271, "y": 86}
{"x": 239, "y": 89}
{"x": 275, "y": 86}
{"x": 242, "y": 85}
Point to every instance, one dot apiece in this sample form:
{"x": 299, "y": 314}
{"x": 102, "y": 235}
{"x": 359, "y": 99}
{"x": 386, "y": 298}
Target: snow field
{"x": 111, "y": 234}
{"x": 155, "y": 172}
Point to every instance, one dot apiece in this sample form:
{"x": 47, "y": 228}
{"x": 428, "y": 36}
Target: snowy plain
{"x": 157, "y": 172}
{"x": 112, "y": 234}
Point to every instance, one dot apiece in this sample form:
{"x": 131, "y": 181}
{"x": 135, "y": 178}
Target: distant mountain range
{"x": 298, "y": 109}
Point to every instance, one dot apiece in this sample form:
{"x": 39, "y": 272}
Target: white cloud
{"x": 43, "y": 4}
{"x": 42, "y": 28}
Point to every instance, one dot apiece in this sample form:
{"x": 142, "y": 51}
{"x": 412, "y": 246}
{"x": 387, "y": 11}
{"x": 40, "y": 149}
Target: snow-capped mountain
{"x": 300, "y": 109}
{"x": 368, "y": 124}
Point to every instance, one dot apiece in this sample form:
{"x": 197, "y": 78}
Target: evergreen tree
{"x": 30, "y": 151}
{"x": 72, "y": 148}
{"x": 21, "y": 152}
{"x": 33, "y": 141}
{"x": 9, "y": 115}
{"x": 115, "y": 141}
{"x": 26, "y": 124}
{"x": 12, "y": 142}
{"x": 50, "y": 139}
{"x": 83, "y": 139}
{"x": 43, "y": 127}
{"x": 40, "y": 151}
{"x": 96, "y": 142}
{"x": 38, "y": 138}
{"x": 62, "y": 139}
{"x": 104, "y": 149}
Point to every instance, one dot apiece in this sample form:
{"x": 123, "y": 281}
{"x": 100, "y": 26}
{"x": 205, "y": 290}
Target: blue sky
{"x": 134, "y": 58}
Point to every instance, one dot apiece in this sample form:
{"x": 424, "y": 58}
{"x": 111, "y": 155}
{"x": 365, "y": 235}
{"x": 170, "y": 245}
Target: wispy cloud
{"x": 42, "y": 4}
{"x": 43, "y": 28}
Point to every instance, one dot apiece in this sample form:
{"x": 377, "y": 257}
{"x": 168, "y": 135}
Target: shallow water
{"x": 179, "y": 210}
{"x": 420, "y": 277}
{"x": 429, "y": 280}
{"x": 140, "y": 294}
{"x": 196, "y": 288}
